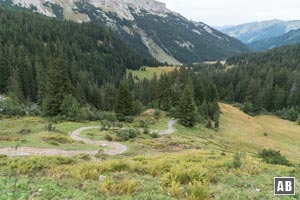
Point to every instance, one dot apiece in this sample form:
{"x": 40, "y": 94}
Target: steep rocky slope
{"x": 147, "y": 25}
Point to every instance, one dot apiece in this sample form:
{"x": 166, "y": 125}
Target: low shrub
{"x": 154, "y": 135}
{"x": 237, "y": 161}
{"x": 146, "y": 131}
{"x": 11, "y": 107}
{"x": 274, "y": 157}
{"x": 128, "y": 134}
{"x": 123, "y": 187}
{"x": 50, "y": 127}
{"x": 108, "y": 138}
{"x": 57, "y": 139}
{"x": 24, "y": 131}
{"x": 129, "y": 119}
{"x": 198, "y": 190}
{"x": 109, "y": 116}
{"x": 143, "y": 124}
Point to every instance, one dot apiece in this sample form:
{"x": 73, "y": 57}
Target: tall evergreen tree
{"x": 124, "y": 102}
{"x": 58, "y": 85}
{"x": 186, "y": 108}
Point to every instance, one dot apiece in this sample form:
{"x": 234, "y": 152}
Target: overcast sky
{"x": 231, "y": 12}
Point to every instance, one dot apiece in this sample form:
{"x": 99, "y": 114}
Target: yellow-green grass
{"x": 97, "y": 134}
{"x": 242, "y": 132}
{"x": 148, "y": 74}
{"x": 10, "y": 135}
{"x": 183, "y": 175}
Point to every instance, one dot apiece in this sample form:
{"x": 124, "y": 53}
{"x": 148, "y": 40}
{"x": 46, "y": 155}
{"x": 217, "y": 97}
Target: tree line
{"x": 266, "y": 82}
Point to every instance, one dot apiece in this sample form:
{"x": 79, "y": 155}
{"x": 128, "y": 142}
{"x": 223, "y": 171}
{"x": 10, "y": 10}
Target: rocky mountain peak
{"x": 123, "y": 7}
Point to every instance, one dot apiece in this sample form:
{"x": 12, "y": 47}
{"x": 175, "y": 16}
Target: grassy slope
{"x": 245, "y": 133}
{"x": 148, "y": 74}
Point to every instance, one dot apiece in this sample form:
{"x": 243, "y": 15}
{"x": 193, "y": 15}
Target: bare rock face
{"x": 123, "y": 7}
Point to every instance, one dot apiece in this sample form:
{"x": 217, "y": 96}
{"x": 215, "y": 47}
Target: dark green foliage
{"x": 274, "y": 157}
{"x": 263, "y": 82}
{"x": 186, "y": 108}
{"x": 128, "y": 134}
{"x": 237, "y": 162}
{"x": 9, "y": 106}
{"x": 92, "y": 56}
{"x": 124, "y": 103}
{"x": 70, "y": 108}
{"x": 50, "y": 127}
{"x": 58, "y": 85}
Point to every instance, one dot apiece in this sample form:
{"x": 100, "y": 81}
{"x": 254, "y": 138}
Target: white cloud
{"x": 225, "y": 12}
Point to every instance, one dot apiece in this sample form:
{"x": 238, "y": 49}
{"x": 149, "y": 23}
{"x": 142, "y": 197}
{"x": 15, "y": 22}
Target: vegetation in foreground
{"x": 193, "y": 163}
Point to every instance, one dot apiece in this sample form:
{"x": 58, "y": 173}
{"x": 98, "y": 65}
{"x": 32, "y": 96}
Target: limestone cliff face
{"x": 123, "y": 8}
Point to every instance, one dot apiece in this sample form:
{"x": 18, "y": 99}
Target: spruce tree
{"x": 186, "y": 108}
{"x": 124, "y": 102}
{"x": 58, "y": 85}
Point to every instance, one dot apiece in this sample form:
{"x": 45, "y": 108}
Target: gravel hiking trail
{"x": 110, "y": 148}
{"x": 170, "y": 129}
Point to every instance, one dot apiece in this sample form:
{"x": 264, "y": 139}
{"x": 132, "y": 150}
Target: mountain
{"x": 257, "y": 31}
{"x": 292, "y": 37}
{"x": 146, "y": 25}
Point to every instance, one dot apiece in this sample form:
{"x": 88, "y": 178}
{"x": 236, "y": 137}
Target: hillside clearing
{"x": 253, "y": 134}
{"x": 148, "y": 74}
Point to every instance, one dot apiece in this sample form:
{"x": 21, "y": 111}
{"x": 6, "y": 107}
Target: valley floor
{"x": 190, "y": 163}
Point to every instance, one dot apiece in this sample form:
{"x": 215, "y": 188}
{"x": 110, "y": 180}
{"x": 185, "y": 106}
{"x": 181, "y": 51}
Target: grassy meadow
{"x": 192, "y": 163}
{"x": 149, "y": 72}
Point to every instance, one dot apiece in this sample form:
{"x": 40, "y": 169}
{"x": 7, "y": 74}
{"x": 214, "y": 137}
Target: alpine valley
{"x": 146, "y": 25}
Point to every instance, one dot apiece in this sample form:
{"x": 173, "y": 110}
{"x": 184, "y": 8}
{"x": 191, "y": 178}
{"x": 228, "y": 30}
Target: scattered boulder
{"x": 101, "y": 178}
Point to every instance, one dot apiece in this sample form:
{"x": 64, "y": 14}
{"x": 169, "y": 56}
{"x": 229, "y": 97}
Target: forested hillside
{"x": 267, "y": 81}
{"x": 86, "y": 55}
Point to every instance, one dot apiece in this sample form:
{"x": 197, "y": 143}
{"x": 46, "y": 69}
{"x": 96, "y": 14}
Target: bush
{"x": 56, "y": 139}
{"x": 274, "y": 157}
{"x": 143, "y": 124}
{"x": 129, "y": 119}
{"x": 289, "y": 114}
{"x": 50, "y": 127}
{"x": 157, "y": 114}
{"x": 127, "y": 134}
{"x": 108, "y": 116}
{"x": 138, "y": 107}
{"x": 11, "y": 107}
{"x": 70, "y": 108}
{"x": 126, "y": 186}
{"x": 237, "y": 161}
{"x": 24, "y": 131}
{"x": 105, "y": 125}
{"x": 108, "y": 138}
{"x": 154, "y": 135}
{"x": 198, "y": 190}
{"x": 146, "y": 131}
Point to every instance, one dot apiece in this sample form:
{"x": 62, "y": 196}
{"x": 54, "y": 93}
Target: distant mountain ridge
{"x": 257, "y": 31}
{"x": 146, "y": 25}
{"x": 292, "y": 37}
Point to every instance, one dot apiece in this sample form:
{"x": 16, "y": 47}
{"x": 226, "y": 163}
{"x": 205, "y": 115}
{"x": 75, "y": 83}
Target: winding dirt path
{"x": 170, "y": 129}
{"x": 111, "y": 148}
